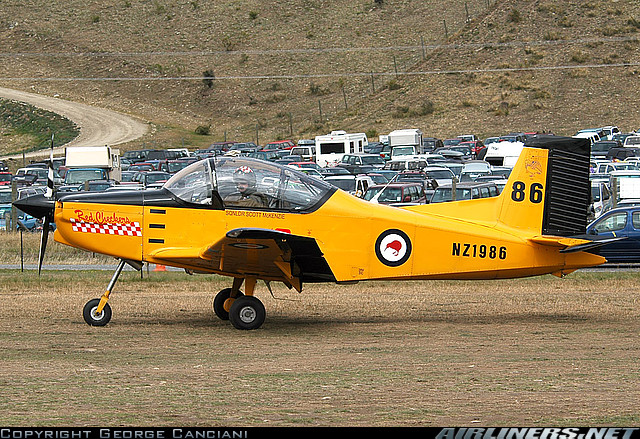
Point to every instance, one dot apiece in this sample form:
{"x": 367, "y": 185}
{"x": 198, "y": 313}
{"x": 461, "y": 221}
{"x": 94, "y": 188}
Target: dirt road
{"x": 98, "y": 126}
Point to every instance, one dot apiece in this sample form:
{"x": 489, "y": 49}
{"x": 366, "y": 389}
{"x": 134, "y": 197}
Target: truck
{"x": 331, "y": 147}
{"x": 405, "y": 142}
{"x": 94, "y": 157}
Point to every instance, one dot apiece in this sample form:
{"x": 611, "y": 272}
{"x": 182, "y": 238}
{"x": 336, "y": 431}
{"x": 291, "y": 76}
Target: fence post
{"x": 14, "y": 211}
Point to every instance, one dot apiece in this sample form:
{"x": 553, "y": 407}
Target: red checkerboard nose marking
{"x": 132, "y": 229}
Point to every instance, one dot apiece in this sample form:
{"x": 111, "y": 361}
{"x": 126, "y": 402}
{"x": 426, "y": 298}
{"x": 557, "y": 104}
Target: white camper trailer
{"x": 331, "y": 147}
{"x": 503, "y": 153}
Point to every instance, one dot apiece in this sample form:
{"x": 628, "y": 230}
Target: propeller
{"x": 48, "y": 217}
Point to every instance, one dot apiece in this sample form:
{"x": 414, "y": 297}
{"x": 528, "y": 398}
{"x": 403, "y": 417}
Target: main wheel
{"x": 247, "y": 312}
{"x": 94, "y": 318}
{"x": 218, "y": 303}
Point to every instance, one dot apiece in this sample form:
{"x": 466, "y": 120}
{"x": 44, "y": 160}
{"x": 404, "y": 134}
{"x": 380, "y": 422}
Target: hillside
{"x": 304, "y": 67}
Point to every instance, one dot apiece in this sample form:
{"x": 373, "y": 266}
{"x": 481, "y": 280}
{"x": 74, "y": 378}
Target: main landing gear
{"x": 243, "y": 310}
{"x": 97, "y": 312}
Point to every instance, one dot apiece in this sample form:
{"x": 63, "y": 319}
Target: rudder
{"x": 548, "y": 189}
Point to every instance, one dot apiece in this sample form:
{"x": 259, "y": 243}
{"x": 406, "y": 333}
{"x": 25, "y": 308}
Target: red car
{"x": 279, "y": 144}
{"x": 476, "y": 146}
{"x": 5, "y": 178}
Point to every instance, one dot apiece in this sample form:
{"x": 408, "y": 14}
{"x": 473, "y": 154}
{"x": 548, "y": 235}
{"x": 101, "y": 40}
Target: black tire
{"x": 247, "y": 312}
{"x": 93, "y": 319}
{"x": 218, "y": 303}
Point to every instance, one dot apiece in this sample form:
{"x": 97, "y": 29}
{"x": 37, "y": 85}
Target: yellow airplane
{"x": 254, "y": 220}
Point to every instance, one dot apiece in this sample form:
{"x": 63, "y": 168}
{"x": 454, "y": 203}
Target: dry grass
{"x": 14, "y": 248}
{"x": 540, "y": 351}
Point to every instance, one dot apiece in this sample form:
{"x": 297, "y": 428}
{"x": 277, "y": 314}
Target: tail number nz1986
{"x": 479, "y": 251}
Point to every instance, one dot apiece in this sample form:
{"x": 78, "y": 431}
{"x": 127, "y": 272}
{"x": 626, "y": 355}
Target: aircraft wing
{"x": 263, "y": 253}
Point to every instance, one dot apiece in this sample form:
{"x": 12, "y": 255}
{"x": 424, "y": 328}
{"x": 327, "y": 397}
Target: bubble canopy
{"x": 282, "y": 188}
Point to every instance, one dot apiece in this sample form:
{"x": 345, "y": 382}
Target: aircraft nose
{"x": 38, "y": 206}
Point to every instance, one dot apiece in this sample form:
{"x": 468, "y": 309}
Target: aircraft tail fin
{"x": 548, "y": 189}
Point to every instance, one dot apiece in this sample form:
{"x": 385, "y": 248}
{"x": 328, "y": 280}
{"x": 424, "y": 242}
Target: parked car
{"x": 439, "y": 174}
{"x": 464, "y": 191}
{"x": 609, "y": 167}
{"x": 279, "y": 144}
{"x": 333, "y": 170}
{"x": 622, "y": 153}
{"x": 141, "y": 167}
{"x": 308, "y": 153}
{"x": 632, "y": 141}
{"x": 5, "y": 203}
{"x": 600, "y": 197}
{"x": 24, "y": 176}
{"x": 98, "y": 185}
{"x": 25, "y": 221}
{"x": 513, "y": 137}
{"x": 601, "y": 148}
{"x": 451, "y": 142}
{"x": 374, "y": 148}
{"x": 345, "y": 182}
{"x": 265, "y": 155}
{"x": 5, "y": 178}
{"x": 619, "y": 137}
{"x": 396, "y": 193}
{"x": 288, "y": 158}
{"x": 305, "y": 165}
{"x": 617, "y": 223}
{"x": 476, "y": 146}
{"x": 135, "y": 156}
{"x": 361, "y": 163}
{"x": 432, "y": 143}
{"x": 473, "y": 169}
{"x": 152, "y": 178}
{"x": 452, "y": 155}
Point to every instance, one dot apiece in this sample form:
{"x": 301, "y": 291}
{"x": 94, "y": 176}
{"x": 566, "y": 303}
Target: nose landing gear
{"x": 97, "y": 312}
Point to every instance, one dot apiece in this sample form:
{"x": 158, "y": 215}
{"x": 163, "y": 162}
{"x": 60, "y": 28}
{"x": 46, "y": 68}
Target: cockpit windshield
{"x": 246, "y": 183}
{"x": 192, "y": 184}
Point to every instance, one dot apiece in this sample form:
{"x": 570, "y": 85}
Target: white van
{"x": 308, "y": 153}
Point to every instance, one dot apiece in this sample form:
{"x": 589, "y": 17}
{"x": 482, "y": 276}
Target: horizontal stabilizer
{"x": 572, "y": 245}
{"x": 591, "y": 245}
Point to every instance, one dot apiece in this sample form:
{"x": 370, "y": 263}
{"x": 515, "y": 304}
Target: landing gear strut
{"x": 243, "y": 310}
{"x": 97, "y": 312}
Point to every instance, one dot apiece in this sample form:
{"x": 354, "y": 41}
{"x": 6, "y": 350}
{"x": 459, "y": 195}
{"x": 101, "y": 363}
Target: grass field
{"x": 540, "y": 351}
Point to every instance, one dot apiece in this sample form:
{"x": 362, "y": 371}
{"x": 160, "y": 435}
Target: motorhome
{"x": 331, "y": 147}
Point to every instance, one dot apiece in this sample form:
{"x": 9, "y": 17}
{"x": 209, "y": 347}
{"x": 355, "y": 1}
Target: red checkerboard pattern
{"x": 132, "y": 229}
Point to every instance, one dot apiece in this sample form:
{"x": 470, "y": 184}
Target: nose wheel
{"x": 93, "y": 317}
{"x": 97, "y": 312}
